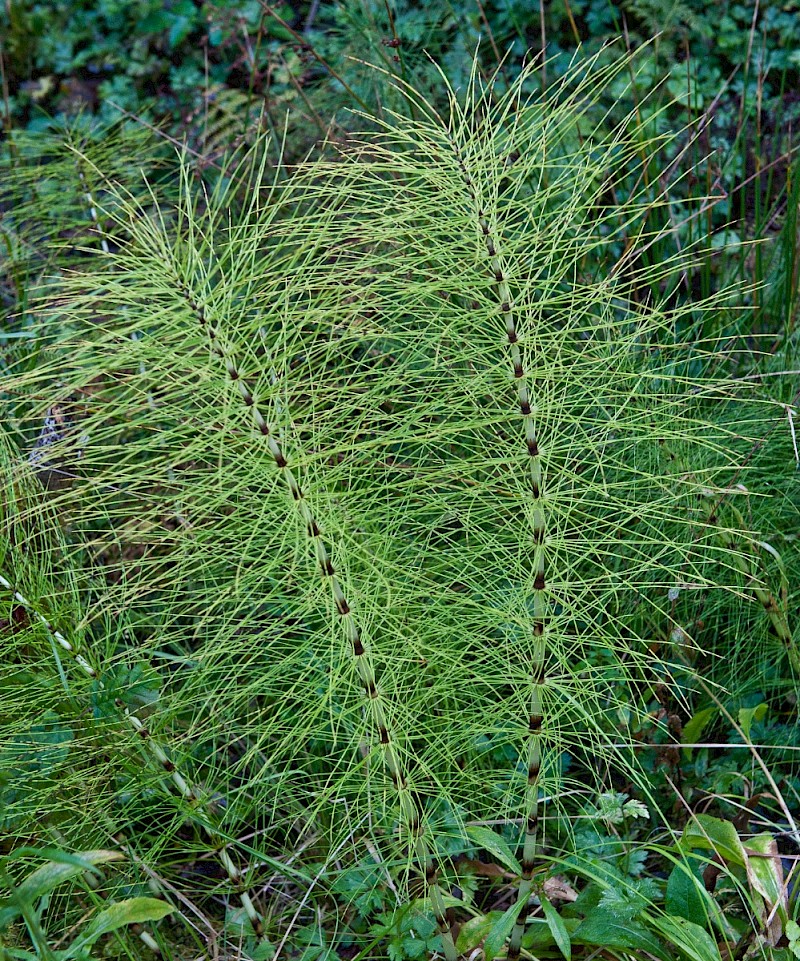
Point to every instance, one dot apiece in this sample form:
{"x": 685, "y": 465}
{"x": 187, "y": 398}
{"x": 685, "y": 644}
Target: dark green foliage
{"x": 60, "y": 57}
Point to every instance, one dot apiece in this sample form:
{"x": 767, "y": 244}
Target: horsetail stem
{"x": 57, "y": 636}
{"x": 93, "y": 880}
{"x": 409, "y": 809}
{"x": 147, "y": 939}
{"x": 92, "y": 208}
{"x": 538, "y": 672}
{"x": 775, "y": 611}
{"x": 104, "y": 247}
{"x": 184, "y": 787}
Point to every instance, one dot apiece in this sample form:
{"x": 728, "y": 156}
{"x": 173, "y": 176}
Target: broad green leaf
{"x": 686, "y": 897}
{"x": 714, "y": 834}
{"x": 414, "y": 947}
{"x": 690, "y": 939}
{"x": 43, "y": 748}
{"x": 496, "y": 939}
{"x": 131, "y": 911}
{"x": 474, "y": 931}
{"x": 46, "y": 854}
{"x": 179, "y": 30}
{"x": 557, "y": 928}
{"x": 264, "y": 951}
{"x": 749, "y": 714}
{"x": 765, "y": 876}
{"x": 539, "y": 936}
{"x": 154, "y": 22}
{"x": 496, "y": 845}
{"x": 50, "y": 875}
{"x": 8, "y": 912}
{"x": 694, "y": 727}
{"x": 604, "y": 928}
{"x": 635, "y": 809}
{"x": 275, "y": 28}
{"x": 764, "y": 869}
{"x": 395, "y": 952}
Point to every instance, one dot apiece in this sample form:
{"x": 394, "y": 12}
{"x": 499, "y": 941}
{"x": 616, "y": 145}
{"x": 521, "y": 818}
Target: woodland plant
{"x": 28, "y": 899}
{"x": 366, "y": 474}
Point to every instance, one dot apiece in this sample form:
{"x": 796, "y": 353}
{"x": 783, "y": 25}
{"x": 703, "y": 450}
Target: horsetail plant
{"x": 742, "y": 550}
{"x": 222, "y": 348}
{"x": 350, "y": 629}
{"x": 185, "y": 789}
{"x": 742, "y": 546}
{"x": 538, "y": 526}
{"x": 442, "y": 530}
